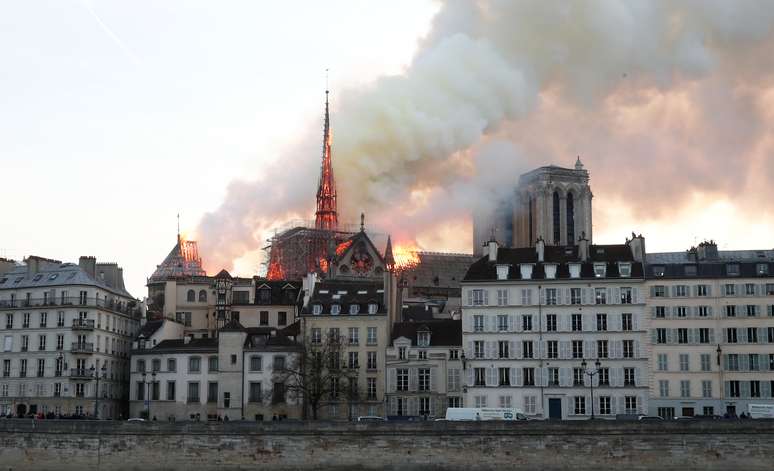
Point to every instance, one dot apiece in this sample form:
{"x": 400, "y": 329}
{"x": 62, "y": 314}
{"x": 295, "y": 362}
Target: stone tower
{"x": 552, "y": 203}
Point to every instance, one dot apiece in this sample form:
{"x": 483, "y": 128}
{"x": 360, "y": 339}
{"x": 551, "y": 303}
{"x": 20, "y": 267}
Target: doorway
{"x": 21, "y": 410}
{"x": 555, "y": 408}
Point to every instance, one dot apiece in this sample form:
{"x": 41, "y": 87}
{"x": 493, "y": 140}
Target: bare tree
{"x": 318, "y": 374}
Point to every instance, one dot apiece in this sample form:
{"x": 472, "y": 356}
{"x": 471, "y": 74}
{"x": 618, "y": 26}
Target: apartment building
{"x": 424, "y": 369}
{"x": 66, "y": 335}
{"x": 543, "y": 325}
{"x": 712, "y": 330}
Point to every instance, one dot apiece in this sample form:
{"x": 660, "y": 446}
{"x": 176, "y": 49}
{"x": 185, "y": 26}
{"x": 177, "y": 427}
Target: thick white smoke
{"x": 501, "y": 85}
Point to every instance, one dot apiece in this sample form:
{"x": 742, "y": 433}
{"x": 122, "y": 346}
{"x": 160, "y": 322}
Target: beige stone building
{"x": 712, "y": 330}
{"x": 66, "y": 335}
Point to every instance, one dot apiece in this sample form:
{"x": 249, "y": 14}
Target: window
{"x": 401, "y": 353}
{"x": 454, "y": 401}
{"x": 734, "y": 389}
{"x": 626, "y": 295}
{"x": 480, "y": 401}
{"x": 194, "y": 365}
{"x": 479, "y": 376}
{"x": 601, "y": 322}
{"x": 353, "y": 361}
{"x": 604, "y": 405}
{"x": 256, "y": 363}
{"x": 628, "y": 348}
{"x": 705, "y": 362}
{"x": 706, "y": 389}
{"x": 550, "y": 296}
{"x": 733, "y": 362}
{"x": 423, "y": 339}
{"x": 371, "y": 388}
{"x": 502, "y": 349}
{"x": 600, "y": 270}
{"x": 704, "y": 335}
{"x": 682, "y": 335}
{"x": 156, "y": 365}
{"x": 769, "y": 289}
{"x": 755, "y": 388}
{"x": 577, "y": 376}
{"x": 680, "y": 291}
{"x": 662, "y": 363}
{"x": 316, "y": 336}
{"x": 663, "y": 388}
{"x": 685, "y": 388}
{"x": 354, "y": 336}
{"x": 625, "y": 270}
{"x": 659, "y": 291}
{"x": 684, "y": 359}
{"x": 753, "y": 363}
{"x": 453, "y": 380}
{"x": 731, "y": 335}
{"x": 527, "y": 349}
{"x": 478, "y": 349}
{"x": 371, "y": 338}
{"x": 140, "y": 366}
{"x": 575, "y": 295}
{"x": 193, "y": 392}
{"x": 506, "y": 401}
{"x": 212, "y": 364}
{"x": 424, "y": 379}
{"x": 502, "y": 323}
{"x": 580, "y": 405}
{"x": 703, "y": 311}
{"x": 629, "y": 377}
{"x": 729, "y": 289}
{"x": 526, "y": 297}
{"x": 553, "y": 376}
{"x": 255, "y": 394}
{"x": 477, "y": 297}
{"x": 732, "y": 269}
{"x": 402, "y": 375}
{"x": 371, "y": 360}
{"x": 553, "y": 349}
{"x": 577, "y": 322}
{"x": 681, "y": 311}
{"x": 41, "y": 367}
{"x": 60, "y": 319}
{"x": 372, "y": 308}
{"x": 770, "y": 334}
{"x": 526, "y": 322}
{"x": 454, "y": 354}
{"x": 317, "y": 309}
{"x": 577, "y": 348}
{"x": 528, "y": 374}
{"x": 751, "y": 310}
{"x": 190, "y": 296}
{"x": 502, "y": 297}
{"x": 661, "y": 336}
{"x": 478, "y": 323}
{"x": 630, "y": 404}
{"x": 752, "y": 335}
{"x": 626, "y": 322}
{"x": 43, "y": 319}
{"x": 660, "y": 312}
{"x": 335, "y": 309}
{"x": 551, "y": 323}
{"x": 600, "y": 295}
{"x": 264, "y": 317}
{"x": 601, "y": 348}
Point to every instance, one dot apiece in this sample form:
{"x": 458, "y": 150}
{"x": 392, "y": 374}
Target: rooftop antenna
{"x": 178, "y": 228}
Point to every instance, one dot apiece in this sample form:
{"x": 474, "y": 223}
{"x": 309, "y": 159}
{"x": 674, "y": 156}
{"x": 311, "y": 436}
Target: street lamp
{"x": 591, "y": 374}
{"x": 147, "y": 390}
{"x": 95, "y": 373}
{"x": 464, "y": 373}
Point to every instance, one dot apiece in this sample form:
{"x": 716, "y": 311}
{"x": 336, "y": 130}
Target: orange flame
{"x": 342, "y": 247}
{"x": 406, "y": 256}
{"x": 275, "y": 271}
{"x": 324, "y": 265}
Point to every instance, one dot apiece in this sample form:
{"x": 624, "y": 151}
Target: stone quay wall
{"x": 679, "y": 445}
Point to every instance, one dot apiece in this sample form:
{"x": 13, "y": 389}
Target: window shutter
{"x": 517, "y": 377}
{"x": 513, "y": 352}
{"x": 413, "y": 379}
{"x": 616, "y": 296}
{"x": 654, "y": 336}
{"x": 709, "y": 311}
{"x": 741, "y": 335}
{"x": 652, "y": 312}
{"x": 671, "y": 335}
{"x": 613, "y": 405}
{"x": 542, "y": 296}
{"x": 709, "y": 290}
{"x": 433, "y": 379}
{"x": 559, "y": 295}
{"x": 712, "y": 335}
{"x": 471, "y": 350}
{"x": 393, "y": 405}
{"x": 613, "y": 376}
{"x": 541, "y": 349}
{"x": 486, "y": 297}
{"x": 765, "y": 388}
{"x": 637, "y": 377}
{"x": 726, "y": 389}
{"x": 745, "y": 388}
{"x": 652, "y": 291}
{"x": 694, "y": 291}
{"x": 588, "y": 349}
{"x": 674, "y": 290}
{"x": 691, "y": 336}
{"x": 563, "y": 350}
{"x": 564, "y": 377}
{"x": 635, "y": 321}
{"x": 585, "y": 296}
{"x": 616, "y": 322}
{"x": 762, "y": 335}
{"x": 392, "y": 380}
{"x": 413, "y": 405}
{"x": 744, "y": 364}
{"x": 725, "y": 362}
{"x": 637, "y": 352}
{"x": 510, "y": 323}
{"x": 470, "y": 297}
{"x": 471, "y": 378}
{"x": 543, "y": 376}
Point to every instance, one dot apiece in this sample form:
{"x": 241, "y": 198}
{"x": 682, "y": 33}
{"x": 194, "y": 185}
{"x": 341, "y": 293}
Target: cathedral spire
{"x": 326, "y": 217}
{"x": 389, "y": 258}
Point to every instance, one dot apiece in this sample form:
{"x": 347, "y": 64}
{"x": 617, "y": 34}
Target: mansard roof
{"x": 443, "y": 333}
{"x": 346, "y": 293}
{"x": 563, "y": 256}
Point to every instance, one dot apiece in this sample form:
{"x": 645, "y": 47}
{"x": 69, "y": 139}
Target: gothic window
{"x": 556, "y": 218}
{"x": 570, "y": 219}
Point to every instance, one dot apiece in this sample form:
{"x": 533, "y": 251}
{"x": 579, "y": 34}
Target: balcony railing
{"x": 112, "y": 305}
{"x": 82, "y": 347}
{"x": 81, "y": 373}
{"x": 83, "y": 324}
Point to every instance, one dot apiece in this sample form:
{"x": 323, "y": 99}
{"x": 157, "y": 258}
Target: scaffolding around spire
{"x": 326, "y": 216}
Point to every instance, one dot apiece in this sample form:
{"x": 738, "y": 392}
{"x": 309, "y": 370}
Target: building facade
{"x": 424, "y": 369}
{"x": 66, "y": 336}
{"x": 532, "y": 316}
{"x": 712, "y": 330}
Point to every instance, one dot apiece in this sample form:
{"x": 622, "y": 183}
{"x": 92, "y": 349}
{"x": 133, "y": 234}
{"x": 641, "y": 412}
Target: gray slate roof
{"x": 55, "y": 274}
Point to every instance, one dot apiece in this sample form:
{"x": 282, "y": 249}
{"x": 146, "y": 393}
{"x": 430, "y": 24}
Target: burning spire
{"x": 326, "y": 217}
{"x": 389, "y": 260}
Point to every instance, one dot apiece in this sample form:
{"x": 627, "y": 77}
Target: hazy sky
{"x": 115, "y": 115}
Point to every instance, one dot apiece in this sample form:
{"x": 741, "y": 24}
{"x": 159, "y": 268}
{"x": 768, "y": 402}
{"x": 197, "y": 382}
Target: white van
{"x": 484, "y": 413}
{"x": 761, "y": 411}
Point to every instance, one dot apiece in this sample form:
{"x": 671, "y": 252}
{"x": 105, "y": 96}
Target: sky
{"x": 117, "y": 116}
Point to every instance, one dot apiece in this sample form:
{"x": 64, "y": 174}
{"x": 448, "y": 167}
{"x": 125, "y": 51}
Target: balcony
{"x": 80, "y": 373}
{"x": 82, "y": 347}
{"x": 83, "y": 324}
{"x": 112, "y": 305}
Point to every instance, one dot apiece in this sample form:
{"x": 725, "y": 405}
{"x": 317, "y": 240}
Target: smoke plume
{"x": 663, "y": 100}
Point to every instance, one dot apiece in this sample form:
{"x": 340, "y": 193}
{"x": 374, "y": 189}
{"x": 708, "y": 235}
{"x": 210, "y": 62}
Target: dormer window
{"x": 317, "y": 309}
{"x": 658, "y": 270}
{"x": 600, "y": 270}
{"x": 575, "y": 270}
{"x": 264, "y": 296}
{"x": 502, "y": 272}
{"x": 732, "y": 269}
{"x": 625, "y": 269}
{"x": 423, "y": 339}
{"x": 354, "y": 309}
{"x": 550, "y": 269}
{"x": 526, "y": 271}
{"x": 335, "y": 309}
{"x": 372, "y": 308}
{"x": 762, "y": 269}
{"x": 690, "y": 270}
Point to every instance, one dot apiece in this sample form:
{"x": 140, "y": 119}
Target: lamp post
{"x": 464, "y": 379}
{"x": 591, "y": 374}
{"x": 95, "y": 373}
{"x": 147, "y": 384}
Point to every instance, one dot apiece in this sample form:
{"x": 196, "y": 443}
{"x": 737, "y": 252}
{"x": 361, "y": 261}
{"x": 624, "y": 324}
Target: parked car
{"x": 651, "y": 418}
{"x": 371, "y": 418}
{"x": 136, "y": 419}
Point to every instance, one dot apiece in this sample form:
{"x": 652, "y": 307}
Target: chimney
{"x": 187, "y": 339}
{"x": 637, "y": 246}
{"x": 540, "y": 247}
{"x": 492, "y": 252}
{"x": 583, "y": 248}
{"x": 89, "y": 265}
{"x": 708, "y": 250}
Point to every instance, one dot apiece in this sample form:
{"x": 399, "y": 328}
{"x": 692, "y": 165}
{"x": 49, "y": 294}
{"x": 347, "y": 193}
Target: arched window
{"x": 203, "y": 296}
{"x": 557, "y": 232}
{"x": 191, "y": 296}
{"x": 570, "y": 219}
